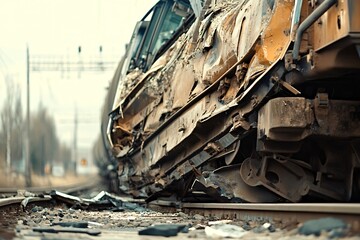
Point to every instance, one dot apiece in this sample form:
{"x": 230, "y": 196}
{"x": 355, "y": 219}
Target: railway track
{"x": 281, "y": 214}
{"x": 15, "y": 202}
{"x": 285, "y": 219}
{"x": 39, "y": 194}
{"x": 13, "y": 196}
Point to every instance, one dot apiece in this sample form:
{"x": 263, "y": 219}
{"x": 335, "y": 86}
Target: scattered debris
{"x": 66, "y": 198}
{"x": 130, "y": 223}
{"x": 265, "y": 227}
{"x": 336, "y": 227}
{"x": 115, "y": 200}
{"x": 246, "y": 226}
{"x": 225, "y": 231}
{"x": 37, "y": 209}
{"x": 121, "y": 213}
{"x": 166, "y": 230}
{"x": 71, "y": 224}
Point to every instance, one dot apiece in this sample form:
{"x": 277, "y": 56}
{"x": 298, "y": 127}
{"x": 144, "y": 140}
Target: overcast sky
{"x": 57, "y": 28}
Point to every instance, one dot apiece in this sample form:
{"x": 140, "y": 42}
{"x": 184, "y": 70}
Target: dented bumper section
{"x": 292, "y": 119}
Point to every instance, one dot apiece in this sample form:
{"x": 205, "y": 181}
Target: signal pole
{"x": 27, "y": 139}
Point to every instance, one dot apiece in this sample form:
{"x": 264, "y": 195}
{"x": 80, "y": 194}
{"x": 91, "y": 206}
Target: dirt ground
{"x": 129, "y": 224}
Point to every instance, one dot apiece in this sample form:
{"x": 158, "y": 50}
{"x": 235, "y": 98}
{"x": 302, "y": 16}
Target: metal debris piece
{"x": 166, "y": 230}
{"x": 66, "y": 197}
{"x": 103, "y": 201}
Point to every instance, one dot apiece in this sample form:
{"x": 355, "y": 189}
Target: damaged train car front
{"x": 239, "y": 100}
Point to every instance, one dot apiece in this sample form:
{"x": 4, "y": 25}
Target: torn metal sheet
{"x": 102, "y": 201}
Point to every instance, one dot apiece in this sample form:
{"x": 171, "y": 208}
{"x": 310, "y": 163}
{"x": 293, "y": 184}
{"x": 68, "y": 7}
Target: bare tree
{"x": 63, "y": 156}
{"x": 43, "y": 140}
{"x": 12, "y": 126}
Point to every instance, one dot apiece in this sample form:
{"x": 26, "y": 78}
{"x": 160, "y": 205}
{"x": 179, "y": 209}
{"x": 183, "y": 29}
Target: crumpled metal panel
{"x": 274, "y": 42}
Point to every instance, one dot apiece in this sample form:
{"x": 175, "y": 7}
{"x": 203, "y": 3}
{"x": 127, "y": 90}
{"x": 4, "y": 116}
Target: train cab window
{"x": 167, "y": 29}
{"x": 154, "y": 30}
{"x": 137, "y": 37}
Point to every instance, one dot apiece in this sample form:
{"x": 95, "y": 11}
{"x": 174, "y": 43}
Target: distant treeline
{"x": 45, "y": 147}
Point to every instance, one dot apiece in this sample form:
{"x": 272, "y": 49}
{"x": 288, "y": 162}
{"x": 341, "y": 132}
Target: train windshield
{"x": 163, "y": 21}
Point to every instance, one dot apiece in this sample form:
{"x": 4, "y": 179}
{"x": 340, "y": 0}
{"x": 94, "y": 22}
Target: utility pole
{"x": 75, "y": 141}
{"x": 27, "y": 139}
{"x": 50, "y": 63}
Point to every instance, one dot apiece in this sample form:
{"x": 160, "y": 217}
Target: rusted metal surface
{"x": 227, "y": 92}
{"x": 301, "y": 117}
{"x": 331, "y": 42}
{"x": 339, "y": 22}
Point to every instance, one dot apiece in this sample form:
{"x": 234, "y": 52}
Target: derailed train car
{"x": 239, "y": 100}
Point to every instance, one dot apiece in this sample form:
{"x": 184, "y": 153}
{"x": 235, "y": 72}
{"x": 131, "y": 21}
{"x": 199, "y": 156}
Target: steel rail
{"x": 70, "y": 188}
{"x": 281, "y": 213}
{"x": 346, "y": 208}
{"x": 17, "y": 200}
